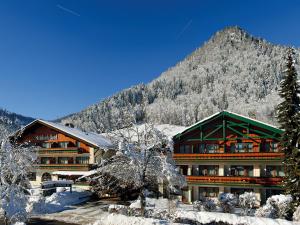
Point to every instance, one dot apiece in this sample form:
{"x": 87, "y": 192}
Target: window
{"x": 82, "y": 160}
{"x": 274, "y": 171}
{"x": 63, "y": 144}
{"x": 212, "y": 148}
{"x": 48, "y": 160}
{"x": 199, "y": 148}
{"x": 185, "y": 149}
{"x": 209, "y": 170}
{"x": 242, "y": 147}
{"x": 65, "y": 160}
{"x": 269, "y": 147}
{"x": 209, "y": 192}
{"x": 239, "y": 191}
{"x": 46, "y": 145}
{"x": 46, "y": 137}
{"x": 78, "y": 144}
{"x": 246, "y": 171}
{"x": 32, "y": 176}
{"x": 184, "y": 169}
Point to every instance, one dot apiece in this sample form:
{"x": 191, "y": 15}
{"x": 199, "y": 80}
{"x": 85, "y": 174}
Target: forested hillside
{"x": 10, "y": 122}
{"x": 233, "y": 71}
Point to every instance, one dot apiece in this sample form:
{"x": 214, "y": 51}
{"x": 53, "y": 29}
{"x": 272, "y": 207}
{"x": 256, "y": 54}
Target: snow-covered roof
{"x": 92, "y": 138}
{"x": 166, "y": 129}
{"x": 232, "y": 114}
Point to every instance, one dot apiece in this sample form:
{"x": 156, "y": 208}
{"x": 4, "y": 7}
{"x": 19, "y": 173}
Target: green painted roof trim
{"x": 233, "y": 116}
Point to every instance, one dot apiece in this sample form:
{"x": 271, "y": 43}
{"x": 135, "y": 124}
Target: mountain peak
{"x": 233, "y": 71}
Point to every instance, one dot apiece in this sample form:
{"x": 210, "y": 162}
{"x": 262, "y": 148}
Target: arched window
{"x": 46, "y": 177}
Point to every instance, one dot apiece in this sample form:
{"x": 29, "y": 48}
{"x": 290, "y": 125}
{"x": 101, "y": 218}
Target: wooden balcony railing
{"x": 60, "y": 151}
{"x": 241, "y": 180}
{"x": 224, "y": 156}
{"x": 66, "y": 167}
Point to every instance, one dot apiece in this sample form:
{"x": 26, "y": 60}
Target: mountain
{"x": 10, "y": 122}
{"x": 233, "y": 71}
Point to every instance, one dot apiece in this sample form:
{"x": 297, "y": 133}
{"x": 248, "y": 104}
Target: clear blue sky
{"x": 60, "y": 56}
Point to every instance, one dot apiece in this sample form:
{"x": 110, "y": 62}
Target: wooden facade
{"x": 229, "y": 153}
{"x": 59, "y": 150}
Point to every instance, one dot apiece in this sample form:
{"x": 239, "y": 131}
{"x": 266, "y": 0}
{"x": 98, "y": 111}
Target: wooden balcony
{"x": 229, "y": 156}
{"x": 234, "y": 180}
{"x": 56, "y": 151}
{"x": 63, "y": 167}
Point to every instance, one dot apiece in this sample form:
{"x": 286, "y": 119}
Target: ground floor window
{"x": 32, "y": 176}
{"x": 270, "y": 192}
{"x": 209, "y": 192}
{"x": 46, "y": 177}
{"x": 239, "y": 191}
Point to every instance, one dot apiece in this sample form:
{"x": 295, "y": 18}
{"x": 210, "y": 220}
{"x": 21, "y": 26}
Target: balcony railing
{"x": 222, "y": 156}
{"x": 236, "y": 180}
{"x": 69, "y": 150}
{"x": 79, "y": 167}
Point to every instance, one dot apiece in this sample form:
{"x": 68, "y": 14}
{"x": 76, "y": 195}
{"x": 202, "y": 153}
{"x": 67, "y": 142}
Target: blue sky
{"x": 60, "y": 56}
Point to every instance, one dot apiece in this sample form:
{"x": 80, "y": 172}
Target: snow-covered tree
{"x": 277, "y": 206}
{"x": 143, "y": 159}
{"x": 296, "y": 215}
{"x": 289, "y": 119}
{"x": 233, "y": 71}
{"x": 15, "y": 164}
{"x": 247, "y": 202}
{"x": 227, "y": 201}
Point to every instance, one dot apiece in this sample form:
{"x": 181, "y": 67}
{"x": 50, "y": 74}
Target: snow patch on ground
{"x": 59, "y": 201}
{"x": 116, "y": 219}
{"x": 161, "y": 203}
{"x": 208, "y": 217}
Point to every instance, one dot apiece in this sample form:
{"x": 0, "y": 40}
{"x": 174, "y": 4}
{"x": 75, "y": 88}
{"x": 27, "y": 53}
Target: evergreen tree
{"x": 289, "y": 119}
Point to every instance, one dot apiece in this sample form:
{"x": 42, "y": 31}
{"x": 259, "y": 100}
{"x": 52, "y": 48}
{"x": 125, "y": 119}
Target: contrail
{"x": 67, "y": 10}
{"x": 184, "y": 29}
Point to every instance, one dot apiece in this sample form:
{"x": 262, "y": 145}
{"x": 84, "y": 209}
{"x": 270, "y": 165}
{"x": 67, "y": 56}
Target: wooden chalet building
{"x": 227, "y": 152}
{"x": 64, "y": 152}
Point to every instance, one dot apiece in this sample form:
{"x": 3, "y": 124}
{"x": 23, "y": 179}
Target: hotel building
{"x": 227, "y": 152}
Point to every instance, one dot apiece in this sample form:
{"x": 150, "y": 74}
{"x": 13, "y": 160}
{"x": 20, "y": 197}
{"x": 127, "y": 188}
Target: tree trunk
{"x": 143, "y": 201}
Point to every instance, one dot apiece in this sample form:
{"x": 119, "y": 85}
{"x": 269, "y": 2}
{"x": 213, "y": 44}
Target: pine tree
{"x": 289, "y": 119}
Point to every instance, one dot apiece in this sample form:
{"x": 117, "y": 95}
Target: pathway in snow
{"x": 79, "y": 214}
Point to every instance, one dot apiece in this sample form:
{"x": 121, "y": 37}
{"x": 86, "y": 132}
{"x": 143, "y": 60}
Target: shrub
{"x": 277, "y": 206}
{"x": 247, "y": 202}
{"x": 227, "y": 202}
{"x": 205, "y": 204}
{"x": 296, "y": 215}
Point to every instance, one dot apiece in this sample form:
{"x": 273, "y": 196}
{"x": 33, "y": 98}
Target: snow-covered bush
{"x": 205, "y": 204}
{"x": 227, "y": 202}
{"x": 277, "y": 206}
{"x": 296, "y": 215}
{"x": 247, "y": 202}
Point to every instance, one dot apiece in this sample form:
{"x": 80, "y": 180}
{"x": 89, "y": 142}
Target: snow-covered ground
{"x": 94, "y": 213}
{"x": 62, "y": 200}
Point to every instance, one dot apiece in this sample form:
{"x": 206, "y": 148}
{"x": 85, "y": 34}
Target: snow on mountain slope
{"x": 10, "y": 122}
{"x": 233, "y": 71}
